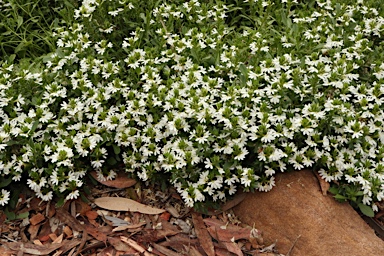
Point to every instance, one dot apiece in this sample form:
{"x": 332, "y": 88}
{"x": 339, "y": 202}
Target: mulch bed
{"x": 159, "y": 225}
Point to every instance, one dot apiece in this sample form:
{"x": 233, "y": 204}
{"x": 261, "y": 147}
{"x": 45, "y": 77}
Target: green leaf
{"x": 22, "y": 215}
{"x": 243, "y": 70}
{"x": 366, "y": 210}
{"x": 34, "y": 126}
{"x": 333, "y": 190}
{"x": 5, "y": 182}
{"x": 116, "y": 149}
{"x": 111, "y": 161}
{"x": 340, "y": 197}
{"x": 19, "y": 21}
{"x": 60, "y": 202}
{"x": 10, "y": 215}
{"x": 84, "y": 198}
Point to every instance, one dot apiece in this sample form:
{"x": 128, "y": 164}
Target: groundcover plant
{"x": 211, "y": 96}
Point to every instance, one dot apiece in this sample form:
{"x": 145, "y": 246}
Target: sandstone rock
{"x": 296, "y": 207}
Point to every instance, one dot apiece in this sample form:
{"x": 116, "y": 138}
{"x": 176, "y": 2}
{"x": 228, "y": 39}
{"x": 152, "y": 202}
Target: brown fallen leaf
{"x": 238, "y": 198}
{"x": 125, "y": 204}
{"x": 256, "y": 238}
{"x": 131, "y": 226}
{"x": 91, "y": 215}
{"x": 233, "y": 248}
{"x": 32, "y": 248}
{"x": 164, "y": 250}
{"x": 324, "y": 185}
{"x": 202, "y": 234}
{"x": 71, "y": 221}
{"x": 177, "y": 242}
{"x": 6, "y": 251}
{"x": 121, "y": 181}
{"x": 108, "y": 251}
{"x": 223, "y": 252}
{"x": 167, "y": 230}
{"x": 192, "y": 251}
{"x": 228, "y": 235}
{"x": 96, "y": 233}
{"x": 120, "y": 245}
{"x": 81, "y": 207}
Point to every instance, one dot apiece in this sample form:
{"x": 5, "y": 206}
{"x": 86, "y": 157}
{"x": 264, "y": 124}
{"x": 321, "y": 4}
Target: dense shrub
{"x": 209, "y": 95}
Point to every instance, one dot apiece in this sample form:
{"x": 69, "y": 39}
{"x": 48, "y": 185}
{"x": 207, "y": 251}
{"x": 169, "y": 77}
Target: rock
{"x": 296, "y": 210}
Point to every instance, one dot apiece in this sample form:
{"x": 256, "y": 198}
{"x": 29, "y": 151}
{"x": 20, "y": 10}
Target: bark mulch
{"x": 122, "y": 218}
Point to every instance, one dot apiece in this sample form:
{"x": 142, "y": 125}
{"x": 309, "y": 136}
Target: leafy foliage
{"x": 209, "y": 96}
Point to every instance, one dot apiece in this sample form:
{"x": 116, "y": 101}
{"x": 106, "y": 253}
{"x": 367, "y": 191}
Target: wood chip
{"x": 36, "y": 219}
{"x": 58, "y": 240}
{"x": 68, "y": 231}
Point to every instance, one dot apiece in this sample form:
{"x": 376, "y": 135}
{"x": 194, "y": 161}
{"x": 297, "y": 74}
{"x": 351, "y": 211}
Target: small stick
{"x": 135, "y": 246}
{"x": 293, "y": 245}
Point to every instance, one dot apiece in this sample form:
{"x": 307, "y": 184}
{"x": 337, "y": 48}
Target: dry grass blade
{"x": 202, "y": 234}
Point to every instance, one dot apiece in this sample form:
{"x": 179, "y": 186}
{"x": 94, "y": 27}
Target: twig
{"x": 293, "y": 245}
{"x": 135, "y": 246}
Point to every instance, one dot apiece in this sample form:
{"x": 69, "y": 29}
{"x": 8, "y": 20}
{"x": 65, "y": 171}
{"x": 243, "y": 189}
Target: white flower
{"x": 73, "y": 195}
{"x": 4, "y": 197}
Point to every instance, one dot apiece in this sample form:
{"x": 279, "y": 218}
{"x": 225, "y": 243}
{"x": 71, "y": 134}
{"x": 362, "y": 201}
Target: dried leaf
{"x": 6, "y": 251}
{"x": 131, "y": 226}
{"x": 121, "y": 181}
{"x": 256, "y": 238}
{"x": 324, "y": 185}
{"x": 233, "y": 248}
{"x": 202, "y": 234}
{"x": 116, "y": 221}
{"x": 69, "y": 244}
{"x": 81, "y": 207}
{"x": 172, "y": 210}
{"x": 192, "y": 251}
{"x": 224, "y": 252}
{"x": 120, "y": 246}
{"x": 238, "y": 198}
{"x": 176, "y": 242}
{"x": 68, "y": 219}
{"x": 96, "y": 233}
{"x": 164, "y": 250}
{"x": 125, "y": 204}
{"x": 91, "y": 215}
{"x": 165, "y": 216}
{"x": 185, "y": 227}
{"x": 32, "y": 248}
{"x": 108, "y": 251}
